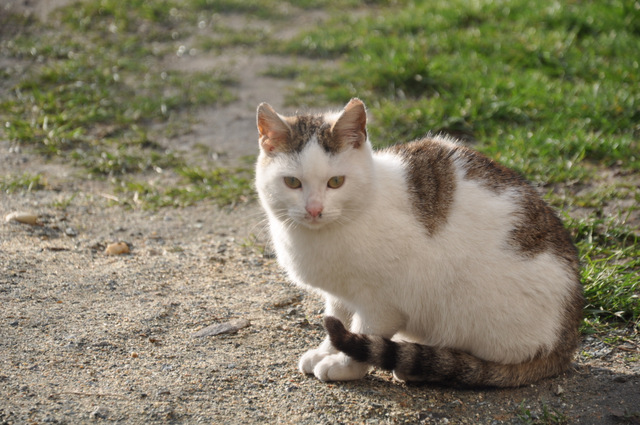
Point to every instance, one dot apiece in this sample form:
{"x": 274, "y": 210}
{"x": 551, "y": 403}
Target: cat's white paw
{"x": 401, "y": 377}
{"x": 339, "y": 367}
{"x": 311, "y": 358}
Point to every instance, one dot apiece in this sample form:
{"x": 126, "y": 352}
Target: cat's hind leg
{"x": 310, "y": 359}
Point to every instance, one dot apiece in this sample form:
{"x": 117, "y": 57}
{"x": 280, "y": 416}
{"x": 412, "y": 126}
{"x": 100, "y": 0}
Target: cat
{"x": 434, "y": 261}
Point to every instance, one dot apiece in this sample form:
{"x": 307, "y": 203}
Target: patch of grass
{"x": 289, "y": 72}
{"x": 90, "y": 85}
{"x": 26, "y": 182}
{"x": 225, "y": 37}
{"x": 124, "y": 160}
{"x": 107, "y": 18}
{"x": 225, "y": 186}
{"x": 93, "y": 100}
{"x": 264, "y": 9}
{"x": 545, "y": 416}
{"x": 610, "y": 254}
{"x": 274, "y": 9}
{"x": 605, "y": 193}
{"x": 64, "y": 203}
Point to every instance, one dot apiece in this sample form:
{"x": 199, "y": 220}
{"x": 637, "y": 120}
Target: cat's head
{"x": 314, "y": 170}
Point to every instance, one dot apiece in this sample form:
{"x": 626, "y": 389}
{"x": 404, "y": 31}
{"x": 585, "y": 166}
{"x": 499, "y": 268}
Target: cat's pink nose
{"x": 314, "y": 209}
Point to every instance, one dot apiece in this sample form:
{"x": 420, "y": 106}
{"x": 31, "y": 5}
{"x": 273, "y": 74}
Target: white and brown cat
{"x": 443, "y": 265}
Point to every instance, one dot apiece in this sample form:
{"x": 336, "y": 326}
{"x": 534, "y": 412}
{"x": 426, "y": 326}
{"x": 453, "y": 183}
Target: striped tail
{"x": 415, "y": 362}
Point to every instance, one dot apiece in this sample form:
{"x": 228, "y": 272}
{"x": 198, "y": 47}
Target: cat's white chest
{"x": 349, "y": 260}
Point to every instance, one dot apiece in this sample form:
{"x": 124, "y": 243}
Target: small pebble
{"x": 117, "y": 248}
{"x": 70, "y": 232}
{"x": 22, "y": 217}
{"x": 100, "y": 413}
{"x": 286, "y": 301}
{"x": 223, "y": 328}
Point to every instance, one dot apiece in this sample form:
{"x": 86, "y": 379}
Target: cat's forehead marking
{"x": 305, "y": 127}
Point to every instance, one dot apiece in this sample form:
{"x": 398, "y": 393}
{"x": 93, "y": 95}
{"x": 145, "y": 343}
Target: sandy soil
{"x": 86, "y": 337}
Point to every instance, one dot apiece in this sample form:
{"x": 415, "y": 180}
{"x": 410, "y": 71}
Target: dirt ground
{"x": 86, "y": 337}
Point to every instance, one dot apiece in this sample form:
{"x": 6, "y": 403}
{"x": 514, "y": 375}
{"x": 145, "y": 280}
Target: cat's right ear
{"x": 274, "y": 132}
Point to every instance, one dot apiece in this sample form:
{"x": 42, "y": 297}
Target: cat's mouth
{"x": 314, "y": 222}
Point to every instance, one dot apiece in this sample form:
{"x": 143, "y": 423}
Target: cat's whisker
{"x": 263, "y": 224}
{"x": 286, "y": 220}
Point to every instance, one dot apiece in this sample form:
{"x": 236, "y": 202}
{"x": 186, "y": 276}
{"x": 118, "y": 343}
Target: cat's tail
{"x": 422, "y": 363}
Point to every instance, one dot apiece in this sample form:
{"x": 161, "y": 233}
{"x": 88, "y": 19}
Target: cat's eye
{"x": 292, "y": 182}
{"x": 335, "y": 182}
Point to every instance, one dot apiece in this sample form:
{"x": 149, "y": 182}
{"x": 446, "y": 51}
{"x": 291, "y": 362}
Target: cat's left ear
{"x": 274, "y": 132}
{"x": 351, "y": 126}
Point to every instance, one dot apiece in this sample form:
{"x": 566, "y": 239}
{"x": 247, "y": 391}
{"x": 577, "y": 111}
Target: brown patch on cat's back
{"x": 431, "y": 179}
{"x": 538, "y": 228}
{"x": 489, "y": 173}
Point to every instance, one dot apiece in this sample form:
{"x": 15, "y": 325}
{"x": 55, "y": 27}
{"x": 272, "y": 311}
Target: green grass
{"x": 610, "y": 254}
{"x": 225, "y": 186}
{"x": 546, "y": 416}
{"x": 64, "y": 203}
{"x": 26, "y": 182}
{"x": 91, "y": 101}
{"x": 93, "y": 85}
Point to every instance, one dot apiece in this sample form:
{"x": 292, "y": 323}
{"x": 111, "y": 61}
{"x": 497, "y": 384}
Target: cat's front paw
{"x": 340, "y": 367}
{"x": 311, "y": 358}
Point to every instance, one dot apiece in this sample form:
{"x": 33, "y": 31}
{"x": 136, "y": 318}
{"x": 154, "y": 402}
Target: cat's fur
{"x": 428, "y": 243}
